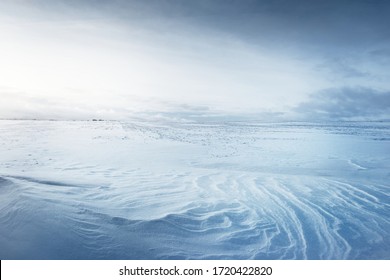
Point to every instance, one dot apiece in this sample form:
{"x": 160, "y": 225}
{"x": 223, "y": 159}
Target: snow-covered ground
{"x": 165, "y": 190}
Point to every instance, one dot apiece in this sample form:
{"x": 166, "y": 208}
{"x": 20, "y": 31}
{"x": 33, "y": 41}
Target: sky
{"x": 195, "y": 60}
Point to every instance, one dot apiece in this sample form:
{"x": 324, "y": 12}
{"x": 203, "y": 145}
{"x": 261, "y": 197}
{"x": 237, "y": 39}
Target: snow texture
{"x": 177, "y": 190}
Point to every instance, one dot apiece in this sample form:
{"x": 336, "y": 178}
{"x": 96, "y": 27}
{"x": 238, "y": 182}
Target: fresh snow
{"x": 187, "y": 190}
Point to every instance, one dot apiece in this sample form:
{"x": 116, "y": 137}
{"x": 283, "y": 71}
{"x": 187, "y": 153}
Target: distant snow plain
{"x": 192, "y": 190}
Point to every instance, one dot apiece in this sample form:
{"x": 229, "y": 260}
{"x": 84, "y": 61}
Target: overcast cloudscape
{"x": 280, "y": 59}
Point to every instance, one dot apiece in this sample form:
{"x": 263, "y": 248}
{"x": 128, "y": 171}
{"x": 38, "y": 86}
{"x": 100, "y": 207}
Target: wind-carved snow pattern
{"x": 159, "y": 190}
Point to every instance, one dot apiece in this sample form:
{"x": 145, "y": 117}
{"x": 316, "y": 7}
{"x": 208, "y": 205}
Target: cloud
{"x": 346, "y": 103}
{"x": 112, "y": 59}
{"x": 17, "y": 104}
{"x": 381, "y": 56}
{"x": 343, "y": 67}
{"x": 191, "y": 113}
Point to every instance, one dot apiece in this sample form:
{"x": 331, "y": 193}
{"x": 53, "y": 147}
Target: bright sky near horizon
{"x": 195, "y": 59}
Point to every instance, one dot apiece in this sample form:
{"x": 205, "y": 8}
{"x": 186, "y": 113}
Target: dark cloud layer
{"x": 320, "y": 23}
{"x": 346, "y": 104}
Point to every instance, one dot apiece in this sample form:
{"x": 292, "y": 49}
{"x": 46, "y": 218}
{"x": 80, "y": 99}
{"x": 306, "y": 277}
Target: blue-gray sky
{"x": 280, "y": 59}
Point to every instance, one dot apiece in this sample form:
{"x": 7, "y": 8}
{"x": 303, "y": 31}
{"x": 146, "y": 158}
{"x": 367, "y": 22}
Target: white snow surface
{"x": 187, "y": 190}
